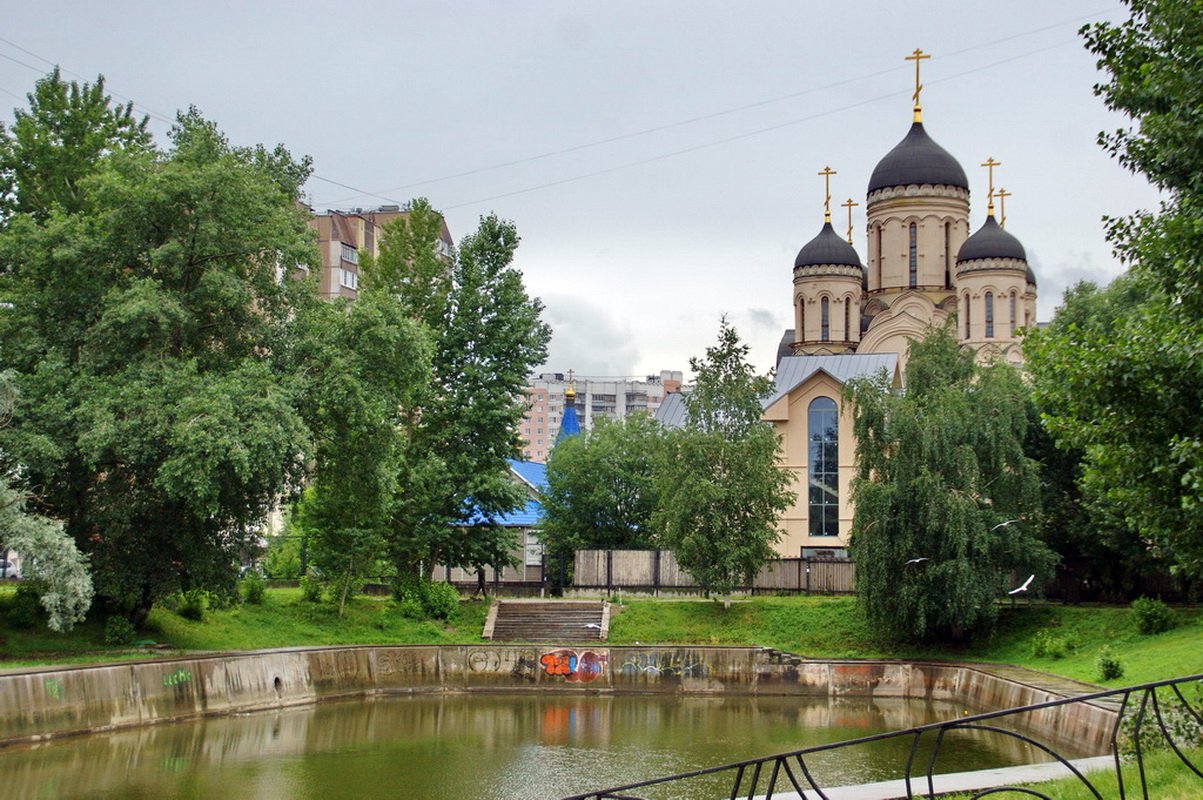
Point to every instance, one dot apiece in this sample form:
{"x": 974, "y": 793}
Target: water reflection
{"x": 488, "y": 746}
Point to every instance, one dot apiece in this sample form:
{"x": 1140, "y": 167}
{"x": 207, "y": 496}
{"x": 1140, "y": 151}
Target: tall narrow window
{"x": 966, "y": 315}
{"x": 947, "y": 255}
{"x": 823, "y": 463}
{"x": 801, "y": 337}
{"x": 825, "y": 320}
{"x": 1012, "y": 312}
{"x": 847, "y": 319}
{"x": 989, "y": 315}
{"x": 914, "y": 256}
{"x": 881, "y": 260}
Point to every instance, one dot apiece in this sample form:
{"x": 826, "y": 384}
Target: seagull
{"x": 1004, "y": 524}
{"x": 593, "y": 625}
{"x": 1023, "y": 588}
{"x": 918, "y": 560}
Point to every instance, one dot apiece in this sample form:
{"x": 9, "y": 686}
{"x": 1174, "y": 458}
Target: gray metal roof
{"x": 793, "y": 370}
{"x": 671, "y": 412}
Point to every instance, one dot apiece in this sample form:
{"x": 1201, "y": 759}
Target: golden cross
{"x": 849, "y": 205}
{"x": 1002, "y": 195}
{"x": 990, "y": 164}
{"x": 826, "y": 174}
{"x": 917, "y": 57}
{"x": 570, "y": 376}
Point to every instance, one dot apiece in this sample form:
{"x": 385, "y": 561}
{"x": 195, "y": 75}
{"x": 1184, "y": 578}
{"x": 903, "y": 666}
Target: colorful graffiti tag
{"x": 584, "y": 667}
{"x": 667, "y": 665}
{"x": 54, "y": 688}
{"x": 177, "y": 677}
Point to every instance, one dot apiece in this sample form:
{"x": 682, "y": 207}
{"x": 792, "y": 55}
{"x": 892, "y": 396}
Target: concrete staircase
{"x": 548, "y": 621}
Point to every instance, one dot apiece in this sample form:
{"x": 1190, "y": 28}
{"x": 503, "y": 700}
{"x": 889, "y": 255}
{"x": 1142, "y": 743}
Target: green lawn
{"x": 815, "y": 627}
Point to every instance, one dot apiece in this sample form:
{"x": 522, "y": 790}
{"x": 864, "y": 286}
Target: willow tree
{"x": 943, "y": 493}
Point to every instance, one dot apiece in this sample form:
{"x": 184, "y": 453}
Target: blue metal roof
{"x": 532, "y": 473}
{"x": 529, "y": 516}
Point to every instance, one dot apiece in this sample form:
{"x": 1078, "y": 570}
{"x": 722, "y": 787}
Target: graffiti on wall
{"x": 177, "y": 677}
{"x": 54, "y": 688}
{"x": 584, "y": 667}
{"x": 668, "y": 665}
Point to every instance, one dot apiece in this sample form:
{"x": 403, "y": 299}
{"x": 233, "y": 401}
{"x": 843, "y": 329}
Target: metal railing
{"x": 1147, "y": 715}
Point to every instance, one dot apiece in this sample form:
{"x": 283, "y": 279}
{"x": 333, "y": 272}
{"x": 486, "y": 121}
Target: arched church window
{"x": 989, "y": 315}
{"x": 847, "y": 320}
{"x": 801, "y": 319}
{"x": 824, "y": 320}
{"x": 1012, "y": 312}
{"x": 966, "y": 315}
{"x": 914, "y": 255}
{"x": 823, "y": 463}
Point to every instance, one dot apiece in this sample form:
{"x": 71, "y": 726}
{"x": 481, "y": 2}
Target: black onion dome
{"x": 991, "y": 241}
{"x": 917, "y": 160}
{"x": 1031, "y": 276}
{"x": 827, "y": 248}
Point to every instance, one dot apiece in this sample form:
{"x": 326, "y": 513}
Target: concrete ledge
{"x": 51, "y": 701}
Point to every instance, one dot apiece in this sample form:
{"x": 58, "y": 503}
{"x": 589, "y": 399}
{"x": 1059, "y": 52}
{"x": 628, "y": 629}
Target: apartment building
{"x": 344, "y": 236}
{"x": 596, "y": 398}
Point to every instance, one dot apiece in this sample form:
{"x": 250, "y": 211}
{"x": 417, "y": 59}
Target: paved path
{"x": 957, "y": 781}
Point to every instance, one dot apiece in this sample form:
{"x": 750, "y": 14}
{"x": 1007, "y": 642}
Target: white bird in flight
{"x": 1023, "y": 588}
{"x": 918, "y": 560}
{"x": 593, "y": 625}
{"x": 1004, "y": 524}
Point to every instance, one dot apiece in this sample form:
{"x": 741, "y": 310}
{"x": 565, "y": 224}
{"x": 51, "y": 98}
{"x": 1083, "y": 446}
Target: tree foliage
{"x": 60, "y": 140}
{"x": 601, "y": 488}
{"x": 941, "y": 476}
{"x": 718, "y": 485}
{"x": 146, "y": 322}
{"x": 486, "y": 336}
{"x": 50, "y": 558}
{"x": 364, "y": 367}
{"x": 1127, "y": 392}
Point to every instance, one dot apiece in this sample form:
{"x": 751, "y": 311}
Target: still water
{"x": 500, "y": 747}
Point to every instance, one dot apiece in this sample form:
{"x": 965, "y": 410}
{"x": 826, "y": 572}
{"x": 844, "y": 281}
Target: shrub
{"x": 118, "y": 631}
{"x": 439, "y": 600}
{"x": 1152, "y": 616}
{"x": 1108, "y": 665}
{"x": 1048, "y": 644}
{"x": 311, "y": 589}
{"x": 411, "y": 608}
{"x": 25, "y": 611}
{"x": 193, "y": 604}
{"x": 254, "y": 588}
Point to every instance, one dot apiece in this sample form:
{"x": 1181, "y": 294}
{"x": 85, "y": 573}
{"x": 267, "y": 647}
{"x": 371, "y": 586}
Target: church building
{"x": 854, "y": 318}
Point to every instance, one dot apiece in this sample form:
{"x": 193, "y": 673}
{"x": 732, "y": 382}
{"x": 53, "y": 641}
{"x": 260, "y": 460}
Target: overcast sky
{"x": 658, "y": 158}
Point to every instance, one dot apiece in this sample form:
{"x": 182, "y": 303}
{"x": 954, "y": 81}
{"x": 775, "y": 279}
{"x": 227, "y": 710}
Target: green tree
{"x": 941, "y": 476}
{"x": 49, "y": 556}
{"x": 364, "y": 366}
{"x": 1128, "y": 396}
{"x": 486, "y": 336}
{"x": 718, "y": 484}
{"x": 60, "y": 140}
{"x": 147, "y": 327}
{"x": 601, "y": 489}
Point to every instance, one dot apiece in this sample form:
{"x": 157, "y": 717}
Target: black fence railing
{"x": 1148, "y": 716}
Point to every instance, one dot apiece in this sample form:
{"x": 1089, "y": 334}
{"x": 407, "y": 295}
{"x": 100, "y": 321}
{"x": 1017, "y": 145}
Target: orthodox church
{"x": 854, "y": 318}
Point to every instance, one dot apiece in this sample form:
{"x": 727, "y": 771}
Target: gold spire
{"x": 826, "y": 175}
{"x": 990, "y": 164}
{"x": 849, "y": 205}
{"x": 1002, "y": 195}
{"x": 917, "y": 57}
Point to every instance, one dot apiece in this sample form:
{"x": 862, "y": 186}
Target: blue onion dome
{"x": 917, "y": 159}
{"x": 827, "y": 249}
{"x": 991, "y": 241}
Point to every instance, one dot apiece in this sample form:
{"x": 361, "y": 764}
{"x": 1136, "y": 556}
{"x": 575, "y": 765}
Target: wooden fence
{"x": 655, "y": 570}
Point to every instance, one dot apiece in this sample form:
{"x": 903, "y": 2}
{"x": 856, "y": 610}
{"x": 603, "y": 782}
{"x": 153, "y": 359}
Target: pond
{"x": 478, "y": 745}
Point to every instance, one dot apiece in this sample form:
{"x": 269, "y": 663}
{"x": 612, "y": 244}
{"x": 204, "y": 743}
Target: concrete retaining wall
{"x": 45, "y": 702}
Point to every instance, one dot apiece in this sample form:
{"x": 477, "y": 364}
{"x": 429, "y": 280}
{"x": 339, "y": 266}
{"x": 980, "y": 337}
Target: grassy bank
{"x": 815, "y": 627}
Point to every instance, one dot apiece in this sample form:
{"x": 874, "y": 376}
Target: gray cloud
{"x": 587, "y": 339}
